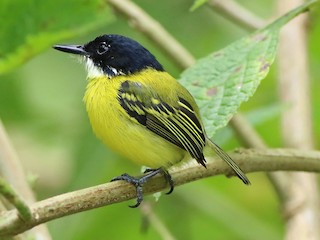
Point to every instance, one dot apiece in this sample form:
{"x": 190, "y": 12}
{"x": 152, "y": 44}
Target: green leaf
{"x": 31, "y": 26}
{"x": 223, "y": 80}
{"x": 197, "y": 4}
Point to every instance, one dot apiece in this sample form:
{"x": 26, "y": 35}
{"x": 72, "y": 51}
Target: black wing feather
{"x": 177, "y": 124}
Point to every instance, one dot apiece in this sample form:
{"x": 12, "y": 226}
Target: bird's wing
{"x": 174, "y": 121}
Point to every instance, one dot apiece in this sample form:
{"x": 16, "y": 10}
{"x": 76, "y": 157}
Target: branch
{"x": 237, "y": 14}
{"x": 114, "y": 192}
{"x": 8, "y": 192}
{"x": 150, "y": 216}
{"x": 246, "y": 133}
{"x": 301, "y": 202}
{"x": 12, "y": 171}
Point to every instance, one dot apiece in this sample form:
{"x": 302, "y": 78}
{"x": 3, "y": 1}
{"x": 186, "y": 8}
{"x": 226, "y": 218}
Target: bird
{"x": 140, "y": 111}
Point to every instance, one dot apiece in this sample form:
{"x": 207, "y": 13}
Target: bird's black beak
{"x": 74, "y": 49}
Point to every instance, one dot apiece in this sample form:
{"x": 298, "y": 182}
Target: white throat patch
{"x": 92, "y": 70}
{"x": 96, "y": 72}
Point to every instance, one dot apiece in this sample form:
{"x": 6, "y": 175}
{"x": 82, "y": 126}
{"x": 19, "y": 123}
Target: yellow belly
{"x": 122, "y": 134}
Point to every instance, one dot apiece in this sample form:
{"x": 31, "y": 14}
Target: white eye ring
{"x": 103, "y": 48}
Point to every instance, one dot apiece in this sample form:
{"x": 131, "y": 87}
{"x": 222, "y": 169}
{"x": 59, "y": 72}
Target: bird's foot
{"x": 166, "y": 175}
{"x": 139, "y": 181}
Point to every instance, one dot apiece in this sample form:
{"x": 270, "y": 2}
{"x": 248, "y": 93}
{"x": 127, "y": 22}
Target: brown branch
{"x": 301, "y": 203}
{"x": 115, "y": 192}
{"x": 151, "y": 217}
{"x": 237, "y": 14}
{"x": 12, "y": 171}
{"x": 246, "y": 133}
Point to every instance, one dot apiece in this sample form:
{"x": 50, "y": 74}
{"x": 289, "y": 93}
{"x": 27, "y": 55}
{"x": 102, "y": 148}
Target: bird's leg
{"x": 166, "y": 175}
{"x": 139, "y": 181}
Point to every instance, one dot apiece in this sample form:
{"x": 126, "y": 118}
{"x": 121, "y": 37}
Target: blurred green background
{"x": 42, "y": 109}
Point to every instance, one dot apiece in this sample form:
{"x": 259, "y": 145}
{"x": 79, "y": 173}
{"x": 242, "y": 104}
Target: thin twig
{"x": 10, "y": 167}
{"x": 115, "y": 192}
{"x": 12, "y": 171}
{"x": 146, "y": 210}
{"x": 237, "y": 13}
{"x": 246, "y": 133}
{"x": 9, "y": 193}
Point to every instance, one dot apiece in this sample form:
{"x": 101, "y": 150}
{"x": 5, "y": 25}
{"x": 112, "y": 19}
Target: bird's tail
{"x": 225, "y": 157}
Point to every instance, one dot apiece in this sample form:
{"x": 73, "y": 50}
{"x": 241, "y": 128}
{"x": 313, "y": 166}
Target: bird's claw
{"x": 138, "y": 182}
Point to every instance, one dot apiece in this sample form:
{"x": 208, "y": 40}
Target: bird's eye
{"x": 103, "y": 48}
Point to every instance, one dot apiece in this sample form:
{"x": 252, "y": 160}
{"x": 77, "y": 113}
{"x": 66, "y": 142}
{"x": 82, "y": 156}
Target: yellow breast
{"x": 122, "y": 134}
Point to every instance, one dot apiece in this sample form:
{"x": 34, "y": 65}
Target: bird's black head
{"x": 114, "y": 55}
